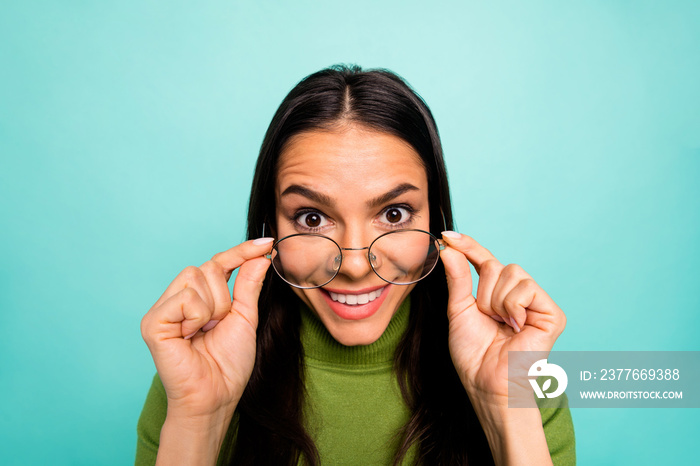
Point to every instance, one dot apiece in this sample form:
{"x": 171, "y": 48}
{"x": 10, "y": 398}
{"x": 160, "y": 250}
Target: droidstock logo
{"x": 542, "y": 368}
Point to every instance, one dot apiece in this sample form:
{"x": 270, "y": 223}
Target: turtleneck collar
{"x": 320, "y": 345}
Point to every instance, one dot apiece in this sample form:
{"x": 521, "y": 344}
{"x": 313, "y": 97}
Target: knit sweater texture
{"x": 354, "y": 407}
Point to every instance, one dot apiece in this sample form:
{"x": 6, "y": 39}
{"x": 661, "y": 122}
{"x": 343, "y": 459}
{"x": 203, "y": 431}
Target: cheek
{"x": 404, "y": 290}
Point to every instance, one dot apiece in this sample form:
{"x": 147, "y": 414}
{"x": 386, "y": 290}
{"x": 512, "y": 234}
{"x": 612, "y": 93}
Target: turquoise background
{"x": 128, "y": 133}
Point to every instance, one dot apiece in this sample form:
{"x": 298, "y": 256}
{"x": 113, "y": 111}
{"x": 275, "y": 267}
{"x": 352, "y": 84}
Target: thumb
{"x": 246, "y": 289}
{"x": 233, "y": 339}
{"x": 459, "y": 279}
{"x": 236, "y": 333}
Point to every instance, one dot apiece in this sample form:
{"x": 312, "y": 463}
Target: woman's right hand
{"x": 203, "y": 341}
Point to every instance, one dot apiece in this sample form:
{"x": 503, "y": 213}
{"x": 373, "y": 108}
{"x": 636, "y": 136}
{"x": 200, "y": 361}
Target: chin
{"x": 357, "y": 336}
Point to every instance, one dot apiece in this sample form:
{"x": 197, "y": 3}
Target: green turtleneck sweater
{"x": 354, "y": 407}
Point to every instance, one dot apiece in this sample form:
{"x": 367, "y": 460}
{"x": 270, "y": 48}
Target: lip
{"x": 360, "y": 291}
{"x": 355, "y": 311}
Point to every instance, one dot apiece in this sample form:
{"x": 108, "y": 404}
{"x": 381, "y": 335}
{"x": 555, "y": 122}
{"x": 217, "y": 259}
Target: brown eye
{"x": 312, "y": 220}
{"x": 393, "y": 215}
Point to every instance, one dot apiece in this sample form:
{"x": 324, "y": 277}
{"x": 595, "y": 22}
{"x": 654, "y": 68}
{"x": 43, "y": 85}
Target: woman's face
{"x": 352, "y": 185}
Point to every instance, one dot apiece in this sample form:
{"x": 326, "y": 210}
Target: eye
{"x": 311, "y": 220}
{"x": 395, "y": 215}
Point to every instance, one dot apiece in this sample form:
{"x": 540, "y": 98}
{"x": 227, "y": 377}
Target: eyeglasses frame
{"x": 441, "y": 247}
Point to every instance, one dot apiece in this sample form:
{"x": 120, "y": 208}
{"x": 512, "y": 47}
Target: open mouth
{"x": 358, "y": 305}
{"x": 356, "y": 299}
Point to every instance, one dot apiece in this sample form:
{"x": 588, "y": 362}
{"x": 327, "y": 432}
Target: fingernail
{"x": 497, "y": 318}
{"x": 451, "y": 234}
{"x": 191, "y": 335}
{"x": 209, "y": 325}
{"x": 260, "y": 241}
{"x": 514, "y": 324}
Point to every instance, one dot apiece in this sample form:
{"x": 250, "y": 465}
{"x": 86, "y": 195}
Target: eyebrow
{"x": 327, "y": 200}
{"x": 309, "y": 194}
{"x": 393, "y": 194}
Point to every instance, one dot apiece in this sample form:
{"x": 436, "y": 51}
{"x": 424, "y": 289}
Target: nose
{"x": 354, "y": 244}
{"x": 355, "y": 265}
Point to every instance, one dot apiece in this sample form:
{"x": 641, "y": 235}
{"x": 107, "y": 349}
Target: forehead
{"x": 349, "y": 158}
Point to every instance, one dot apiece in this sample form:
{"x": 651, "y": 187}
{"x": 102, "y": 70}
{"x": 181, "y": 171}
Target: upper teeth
{"x": 356, "y": 298}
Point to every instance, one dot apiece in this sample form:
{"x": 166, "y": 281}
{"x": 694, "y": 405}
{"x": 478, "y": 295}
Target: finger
{"x": 240, "y": 324}
{"x": 519, "y": 299}
{"x": 246, "y": 289}
{"x": 510, "y": 276}
{"x": 490, "y": 274}
{"x": 216, "y": 281}
{"x": 237, "y": 255}
{"x": 190, "y": 277}
{"x": 530, "y": 304}
{"x": 181, "y": 315}
{"x": 229, "y": 260}
{"x": 459, "y": 279}
{"x": 476, "y": 253}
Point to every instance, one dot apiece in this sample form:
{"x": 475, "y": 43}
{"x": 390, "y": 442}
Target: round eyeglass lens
{"x": 405, "y": 256}
{"x": 306, "y": 260}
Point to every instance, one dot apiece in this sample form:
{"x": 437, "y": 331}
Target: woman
{"x": 353, "y": 350}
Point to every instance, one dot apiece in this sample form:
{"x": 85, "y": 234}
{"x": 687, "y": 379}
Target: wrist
{"x": 192, "y": 440}
{"x": 515, "y": 435}
{"x": 212, "y": 423}
{"x": 200, "y": 412}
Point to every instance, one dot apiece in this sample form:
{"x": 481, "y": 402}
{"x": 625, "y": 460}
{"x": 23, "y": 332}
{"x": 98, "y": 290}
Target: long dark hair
{"x": 268, "y": 426}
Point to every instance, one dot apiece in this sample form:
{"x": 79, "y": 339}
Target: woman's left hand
{"x": 510, "y": 313}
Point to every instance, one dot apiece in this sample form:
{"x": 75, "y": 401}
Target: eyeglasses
{"x": 310, "y": 260}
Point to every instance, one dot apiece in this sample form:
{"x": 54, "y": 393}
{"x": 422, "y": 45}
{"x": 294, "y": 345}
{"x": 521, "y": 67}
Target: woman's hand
{"x": 201, "y": 340}
{"x": 510, "y": 313}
